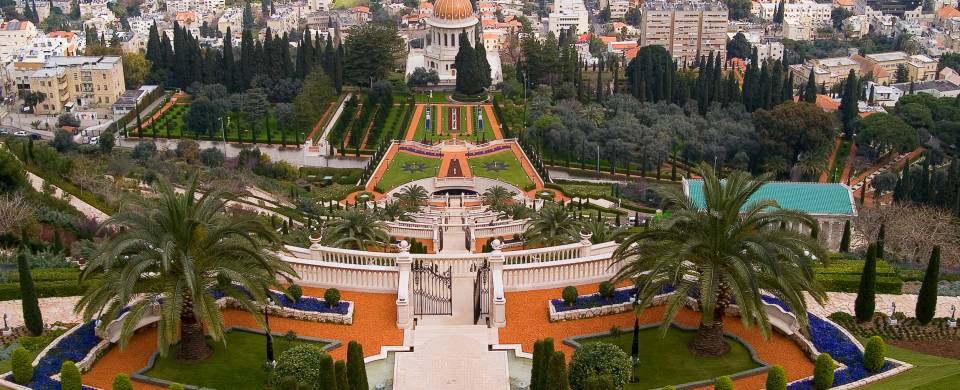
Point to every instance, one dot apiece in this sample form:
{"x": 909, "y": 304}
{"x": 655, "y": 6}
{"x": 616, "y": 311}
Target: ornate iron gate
{"x": 481, "y": 292}
{"x": 432, "y": 290}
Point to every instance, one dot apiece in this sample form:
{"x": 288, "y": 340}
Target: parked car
{"x": 21, "y": 133}
{"x": 34, "y": 136}
{"x": 4, "y": 131}
{"x": 93, "y": 140}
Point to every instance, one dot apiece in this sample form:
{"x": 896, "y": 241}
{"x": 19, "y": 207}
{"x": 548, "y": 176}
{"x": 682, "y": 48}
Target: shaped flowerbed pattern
{"x": 827, "y": 338}
{"x": 75, "y": 346}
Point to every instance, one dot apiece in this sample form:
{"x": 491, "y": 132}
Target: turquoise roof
{"x": 812, "y": 198}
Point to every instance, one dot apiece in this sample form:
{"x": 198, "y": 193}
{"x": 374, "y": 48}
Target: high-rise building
{"x": 687, "y": 29}
{"x": 568, "y": 14}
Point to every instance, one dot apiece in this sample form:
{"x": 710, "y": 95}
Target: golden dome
{"x": 452, "y": 9}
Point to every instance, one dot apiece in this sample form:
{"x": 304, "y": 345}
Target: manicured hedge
{"x": 41, "y": 274}
{"x": 44, "y": 289}
{"x": 850, "y": 283}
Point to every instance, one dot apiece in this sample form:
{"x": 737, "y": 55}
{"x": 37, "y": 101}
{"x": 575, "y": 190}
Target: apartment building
{"x": 14, "y": 35}
{"x": 567, "y": 14}
{"x": 73, "y": 82}
{"x": 826, "y": 71}
{"x": 919, "y": 67}
{"x": 687, "y": 29}
{"x": 804, "y": 11}
{"x": 618, "y": 9}
{"x": 898, "y": 8}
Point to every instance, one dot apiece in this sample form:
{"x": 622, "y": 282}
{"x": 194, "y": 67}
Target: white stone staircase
{"x": 454, "y": 357}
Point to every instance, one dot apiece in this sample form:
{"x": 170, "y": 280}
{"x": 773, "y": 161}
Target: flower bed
{"x": 594, "y": 305}
{"x": 828, "y": 337}
{"x": 75, "y": 345}
{"x": 307, "y": 308}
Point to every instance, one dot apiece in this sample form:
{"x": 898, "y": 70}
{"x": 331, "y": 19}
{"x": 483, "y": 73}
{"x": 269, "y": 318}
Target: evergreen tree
{"x": 483, "y": 66}
{"x": 465, "y": 62}
{"x": 927, "y": 298}
{"x": 356, "y": 370}
{"x": 537, "y": 366}
{"x": 845, "y": 238}
{"x": 328, "y": 375}
{"x": 227, "y": 63}
{"x": 848, "y": 103}
{"x": 154, "y": 52}
{"x": 866, "y": 302}
{"x": 340, "y": 368}
{"x": 557, "y": 373}
{"x": 247, "y": 60}
{"x": 880, "y": 238}
{"x": 247, "y": 20}
{"x": 810, "y": 90}
{"x": 32, "y": 317}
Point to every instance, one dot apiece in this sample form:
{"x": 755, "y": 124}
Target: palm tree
{"x": 601, "y": 231}
{"x": 413, "y": 196}
{"x": 515, "y": 211}
{"x": 355, "y": 229}
{"x": 171, "y": 253}
{"x": 393, "y": 211}
{"x": 553, "y": 225}
{"x": 729, "y": 248}
{"x": 497, "y": 196}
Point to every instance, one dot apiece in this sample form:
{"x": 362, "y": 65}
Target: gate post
{"x": 404, "y": 263}
{"x": 498, "y": 308}
{"x": 585, "y": 244}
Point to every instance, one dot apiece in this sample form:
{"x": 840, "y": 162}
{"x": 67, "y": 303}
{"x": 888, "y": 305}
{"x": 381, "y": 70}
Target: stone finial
{"x": 585, "y": 237}
{"x": 496, "y": 244}
{"x": 315, "y": 240}
{"x": 404, "y": 246}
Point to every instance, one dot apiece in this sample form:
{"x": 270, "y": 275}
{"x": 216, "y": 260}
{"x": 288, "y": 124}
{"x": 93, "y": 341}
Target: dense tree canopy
{"x": 886, "y": 133}
{"x": 371, "y": 52}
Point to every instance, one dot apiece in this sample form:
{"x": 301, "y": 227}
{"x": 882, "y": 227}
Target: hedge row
{"x": 45, "y": 289}
{"x": 841, "y": 265}
{"x": 849, "y": 283}
{"x": 41, "y": 274}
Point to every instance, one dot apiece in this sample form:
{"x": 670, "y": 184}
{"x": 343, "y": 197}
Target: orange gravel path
{"x": 382, "y": 168}
{"x": 528, "y": 320}
{"x": 848, "y": 163}
{"x": 332, "y": 107}
{"x": 414, "y": 122}
{"x": 448, "y": 159}
{"x": 494, "y": 124}
{"x": 374, "y": 326}
{"x": 522, "y": 158}
{"x": 830, "y": 161}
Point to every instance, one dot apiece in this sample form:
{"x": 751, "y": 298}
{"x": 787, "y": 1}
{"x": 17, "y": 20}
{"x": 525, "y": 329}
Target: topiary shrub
{"x": 340, "y": 368}
{"x": 356, "y": 369}
{"x": 295, "y": 292}
{"x": 288, "y": 382}
{"x": 570, "y": 295}
{"x": 823, "y": 372}
{"x": 927, "y": 298}
{"x": 866, "y": 303}
{"x": 332, "y": 296}
{"x": 874, "y": 354}
{"x": 776, "y": 378}
{"x": 175, "y": 386}
{"x": 70, "y": 376}
{"x": 845, "y": 238}
{"x": 301, "y": 362}
{"x": 122, "y": 382}
{"x": 22, "y": 366}
{"x": 557, "y": 372}
{"x": 607, "y": 290}
{"x": 328, "y": 374}
{"x": 32, "y": 317}
{"x": 598, "y": 382}
{"x": 723, "y": 383}
{"x": 599, "y": 359}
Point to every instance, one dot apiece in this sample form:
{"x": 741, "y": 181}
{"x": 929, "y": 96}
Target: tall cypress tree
{"x": 881, "y": 236}
{"x": 557, "y": 372}
{"x": 32, "y": 317}
{"x": 537, "y": 366}
{"x": 356, "y": 370}
{"x": 154, "y": 52}
{"x": 866, "y": 302}
{"x": 466, "y": 65}
{"x": 848, "y": 103}
{"x": 483, "y": 66}
{"x": 845, "y": 238}
{"x": 228, "y": 64}
{"x": 810, "y": 90}
{"x": 927, "y": 298}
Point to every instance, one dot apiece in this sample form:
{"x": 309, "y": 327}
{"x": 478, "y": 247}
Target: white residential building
{"x": 803, "y": 11}
{"x": 14, "y": 35}
{"x": 567, "y": 14}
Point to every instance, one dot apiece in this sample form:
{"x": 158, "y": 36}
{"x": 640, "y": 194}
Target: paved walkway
{"x": 906, "y": 303}
{"x": 57, "y": 309}
{"x": 452, "y": 358}
{"x": 494, "y": 124}
{"x": 91, "y": 212}
{"x": 414, "y": 122}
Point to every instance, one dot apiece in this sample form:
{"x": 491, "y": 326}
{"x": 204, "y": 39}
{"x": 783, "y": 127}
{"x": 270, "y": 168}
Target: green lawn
{"x": 438, "y": 97}
{"x": 170, "y": 125}
{"x": 929, "y": 372}
{"x": 430, "y": 135}
{"x": 505, "y": 167}
{"x": 238, "y": 365}
{"x": 666, "y": 361}
{"x": 585, "y": 189}
{"x": 407, "y": 167}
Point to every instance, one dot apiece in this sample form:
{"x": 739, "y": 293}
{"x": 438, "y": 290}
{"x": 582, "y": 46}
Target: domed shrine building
{"x": 441, "y": 42}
